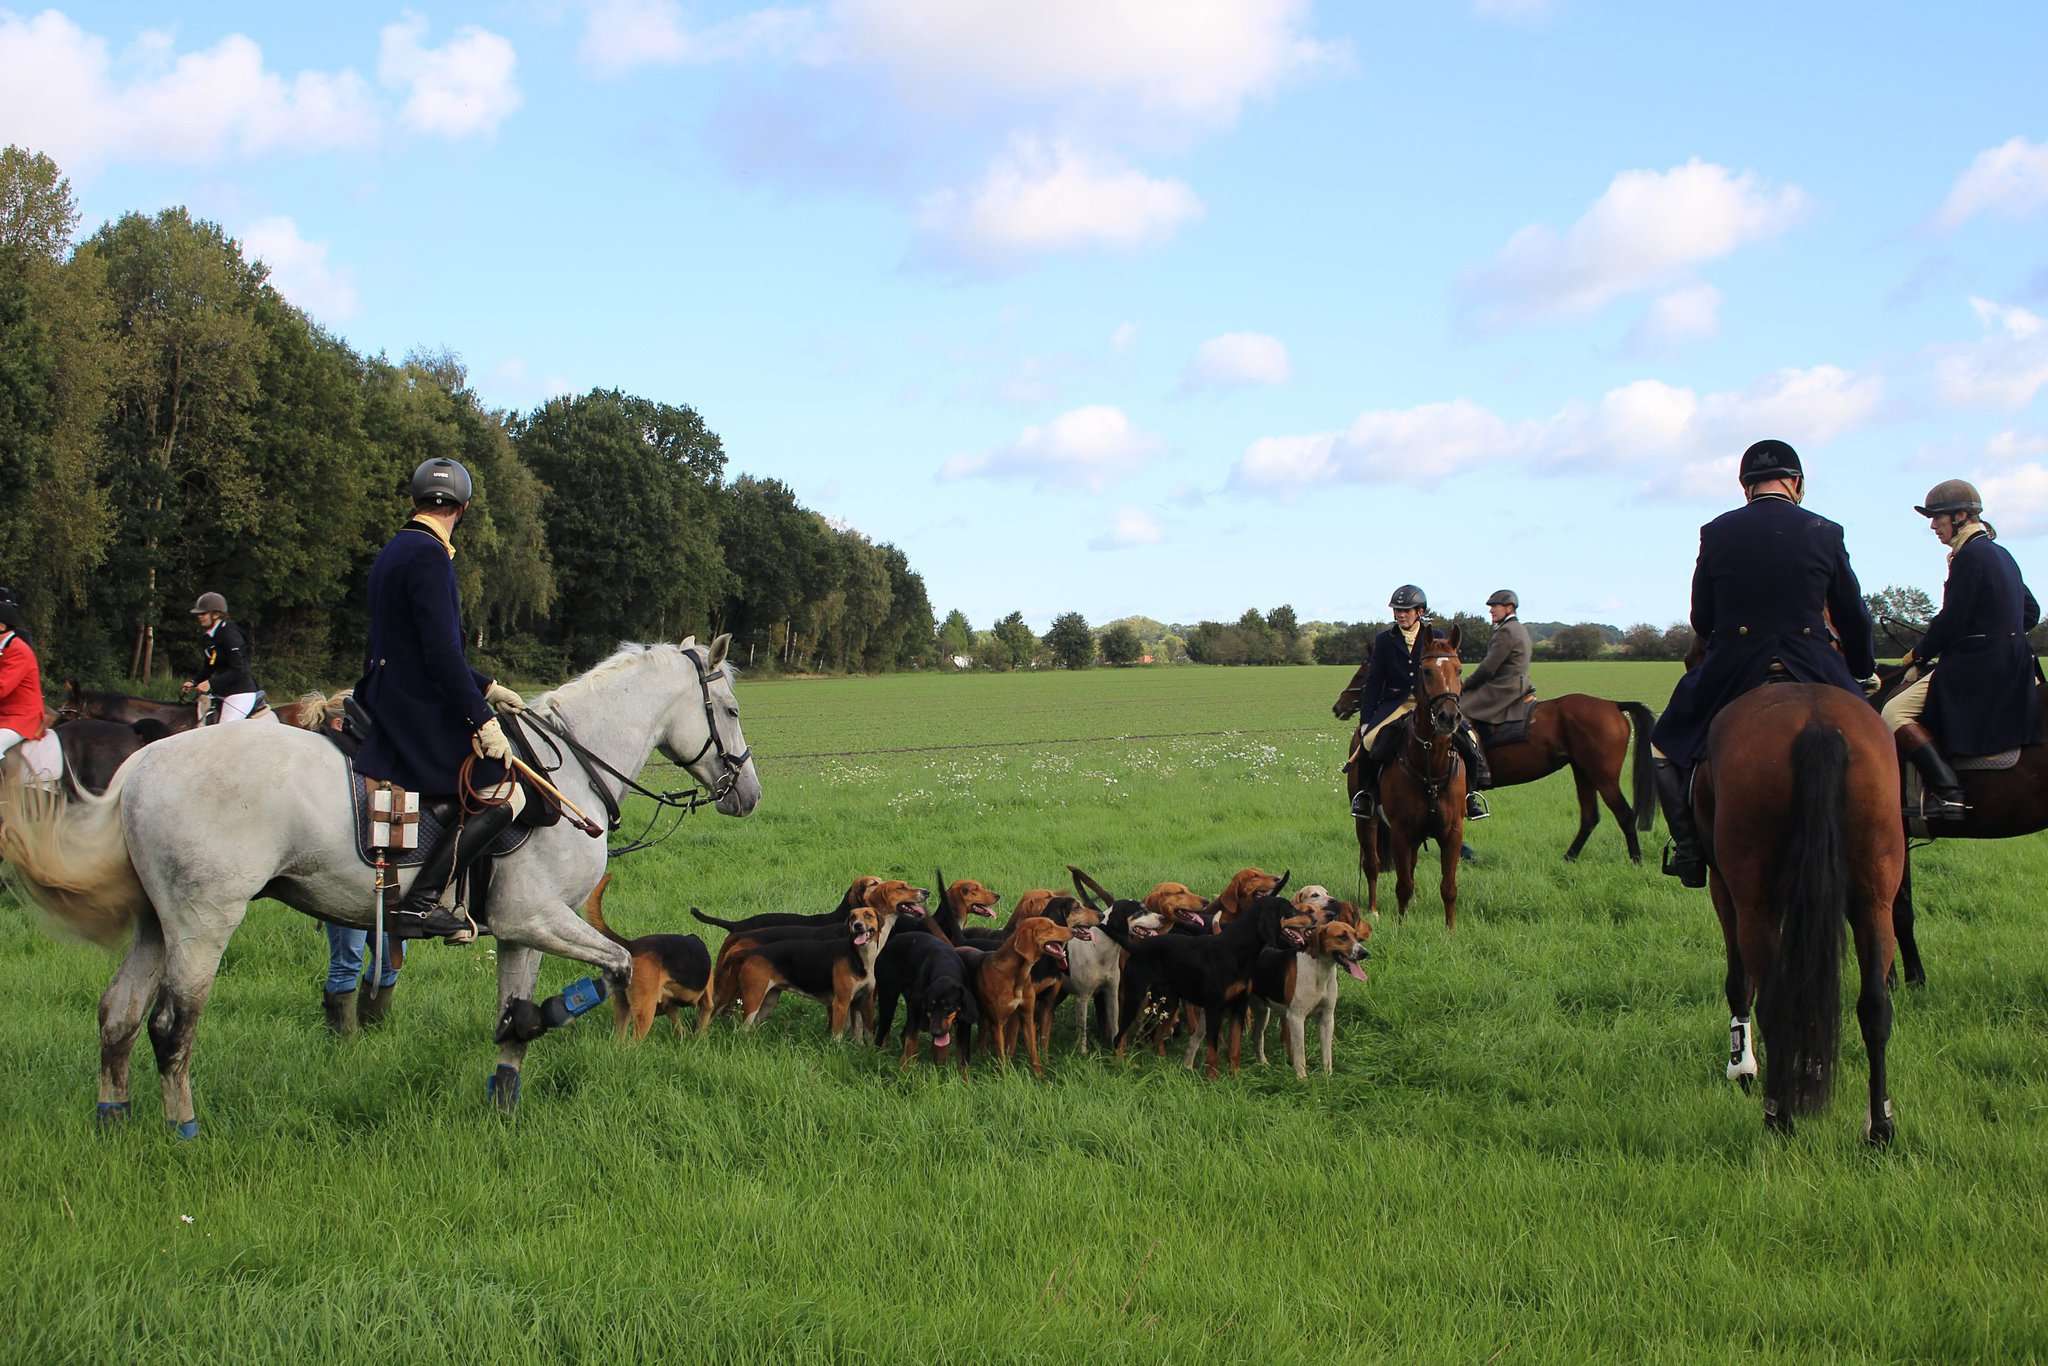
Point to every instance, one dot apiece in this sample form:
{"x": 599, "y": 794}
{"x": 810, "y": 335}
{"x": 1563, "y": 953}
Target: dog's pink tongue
{"x": 941, "y": 1040}
{"x": 1355, "y": 970}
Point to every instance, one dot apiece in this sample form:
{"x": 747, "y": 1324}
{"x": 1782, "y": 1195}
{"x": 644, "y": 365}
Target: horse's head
{"x": 1438, "y": 682}
{"x": 704, "y": 735}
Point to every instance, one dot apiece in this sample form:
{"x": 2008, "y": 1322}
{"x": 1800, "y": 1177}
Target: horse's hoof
{"x": 503, "y": 1088}
{"x": 188, "y": 1130}
{"x": 1918, "y": 983}
{"x": 111, "y": 1114}
{"x": 1877, "y": 1131}
{"x": 1745, "y": 1080}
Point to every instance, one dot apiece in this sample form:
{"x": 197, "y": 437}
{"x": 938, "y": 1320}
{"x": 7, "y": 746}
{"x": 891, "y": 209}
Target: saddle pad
{"x": 430, "y": 829}
{"x": 1494, "y": 735}
{"x": 44, "y": 757}
{"x": 1986, "y": 763}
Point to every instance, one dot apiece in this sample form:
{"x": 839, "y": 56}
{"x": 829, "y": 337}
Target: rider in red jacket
{"x": 21, "y": 681}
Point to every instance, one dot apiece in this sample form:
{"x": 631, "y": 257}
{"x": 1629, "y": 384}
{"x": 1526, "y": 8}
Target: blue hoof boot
{"x": 111, "y": 1113}
{"x": 503, "y": 1088}
{"x": 189, "y": 1129}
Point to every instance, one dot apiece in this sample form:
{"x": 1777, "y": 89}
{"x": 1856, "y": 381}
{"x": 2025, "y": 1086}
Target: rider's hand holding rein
{"x": 503, "y": 698}
{"x": 489, "y": 740}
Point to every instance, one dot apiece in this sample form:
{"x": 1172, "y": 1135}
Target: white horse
{"x": 196, "y": 826}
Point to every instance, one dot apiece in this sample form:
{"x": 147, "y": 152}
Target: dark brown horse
{"x": 2003, "y": 803}
{"x": 82, "y": 702}
{"x": 1421, "y": 793}
{"x": 1798, "y": 805}
{"x": 1590, "y": 734}
{"x": 93, "y": 749}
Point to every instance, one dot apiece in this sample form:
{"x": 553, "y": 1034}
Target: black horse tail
{"x": 1801, "y": 999}
{"x": 1645, "y": 775}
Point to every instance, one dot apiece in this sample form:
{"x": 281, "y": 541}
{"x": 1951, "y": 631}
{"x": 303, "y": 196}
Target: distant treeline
{"x": 169, "y": 424}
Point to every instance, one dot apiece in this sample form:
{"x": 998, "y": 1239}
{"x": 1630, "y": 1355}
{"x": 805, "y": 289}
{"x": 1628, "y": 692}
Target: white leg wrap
{"x": 1741, "y": 1049}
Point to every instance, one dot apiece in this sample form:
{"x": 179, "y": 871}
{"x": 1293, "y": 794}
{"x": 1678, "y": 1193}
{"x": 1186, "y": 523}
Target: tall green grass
{"x": 1528, "y": 1151}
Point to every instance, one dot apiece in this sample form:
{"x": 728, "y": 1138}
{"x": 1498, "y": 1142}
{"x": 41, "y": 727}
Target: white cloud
{"x": 463, "y": 88}
{"x": 2010, "y": 179}
{"x": 1044, "y": 197}
{"x": 1672, "y": 319}
{"x": 619, "y": 35}
{"x": 1236, "y": 360}
{"x": 1647, "y": 227}
{"x": 2009, "y": 446}
{"x": 2003, "y": 369}
{"x": 1088, "y": 448}
{"x": 1124, "y": 338}
{"x": 300, "y": 269}
{"x": 1133, "y": 527}
{"x": 64, "y": 93}
{"x": 2018, "y": 502}
{"x": 1681, "y": 441}
{"x": 1192, "y": 61}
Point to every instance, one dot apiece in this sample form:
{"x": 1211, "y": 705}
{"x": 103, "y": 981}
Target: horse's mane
{"x": 625, "y": 657}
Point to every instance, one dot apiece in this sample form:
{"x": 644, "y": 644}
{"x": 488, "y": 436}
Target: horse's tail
{"x": 1644, "y": 775}
{"x": 71, "y": 856}
{"x": 1801, "y": 1000}
{"x": 593, "y": 909}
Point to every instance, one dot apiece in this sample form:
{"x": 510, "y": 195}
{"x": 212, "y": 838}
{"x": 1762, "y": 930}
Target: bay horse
{"x": 95, "y": 750}
{"x": 1798, "y": 807}
{"x": 81, "y": 702}
{"x": 2003, "y": 803}
{"x": 155, "y": 856}
{"x": 1422, "y": 793}
{"x": 1591, "y": 735}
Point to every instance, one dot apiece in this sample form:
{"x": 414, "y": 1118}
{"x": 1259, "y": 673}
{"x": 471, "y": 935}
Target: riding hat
{"x": 1770, "y": 459}
{"x": 1952, "y": 495}
{"x": 1408, "y": 595}
{"x": 8, "y": 597}
{"x": 1504, "y": 597}
{"x": 10, "y": 616}
{"x": 442, "y": 482}
{"x": 210, "y": 602}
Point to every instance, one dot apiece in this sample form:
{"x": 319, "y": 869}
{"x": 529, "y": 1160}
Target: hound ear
{"x": 719, "y": 648}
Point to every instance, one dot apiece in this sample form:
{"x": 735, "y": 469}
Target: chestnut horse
{"x": 1798, "y": 806}
{"x": 1591, "y": 735}
{"x": 1422, "y": 793}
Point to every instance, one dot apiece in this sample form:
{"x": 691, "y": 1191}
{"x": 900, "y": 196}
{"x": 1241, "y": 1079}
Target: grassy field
{"x": 1528, "y": 1151}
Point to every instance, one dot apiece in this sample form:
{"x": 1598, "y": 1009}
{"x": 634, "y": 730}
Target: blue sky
{"x": 1163, "y": 306}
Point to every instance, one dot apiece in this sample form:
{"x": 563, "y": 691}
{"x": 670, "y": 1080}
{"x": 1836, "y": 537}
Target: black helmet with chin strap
{"x": 1770, "y": 459}
{"x": 442, "y": 482}
{"x": 1952, "y": 495}
{"x": 1409, "y": 596}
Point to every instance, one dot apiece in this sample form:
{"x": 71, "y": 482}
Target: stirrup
{"x": 1691, "y": 871}
{"x": 1475, "y": 806}
{"x": 1937, "y": 806}
{"x": 432, "y": 921}
{"x": 1362, "y": 807}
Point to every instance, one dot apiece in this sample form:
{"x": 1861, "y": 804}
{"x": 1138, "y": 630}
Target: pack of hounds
{"x": 1171, "y": 961}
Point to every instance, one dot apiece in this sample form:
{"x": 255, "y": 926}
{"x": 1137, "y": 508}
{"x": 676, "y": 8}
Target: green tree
{"x": 1017, "y": 639}
{"x": 1070, "y": 640}
{"x": 1121, "y": 646}
{"x": 1475, "y": 633}
{"x": 956, "y": 636}
{"x": 1643, "y": 641}
{"x": 1901, "y": 603}
{"x": 1583, "y": 641}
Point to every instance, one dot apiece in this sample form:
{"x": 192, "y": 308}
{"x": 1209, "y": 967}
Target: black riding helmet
{"x": 1408, "y": 595}
{"x": 442, "y": 482}
{"x": 1770, "y": 459}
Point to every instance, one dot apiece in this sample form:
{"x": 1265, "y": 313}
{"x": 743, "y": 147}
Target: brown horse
{"x": 1590, "y": 734}
{"x": 93, "y": 749}
{"x": 1421, "y": 793}
{"x": 2003, "y": 803}
{"x": 1798, "y": 804}
{"x": 118, "y": 706}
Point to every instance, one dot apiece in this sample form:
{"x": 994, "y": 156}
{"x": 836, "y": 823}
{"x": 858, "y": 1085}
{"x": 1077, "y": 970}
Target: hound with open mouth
{"x": 1307, "y": 982}
{"x": 932, "y": 979}
{"x": 835, "y": 964}
{"x": 1006, "y": 992}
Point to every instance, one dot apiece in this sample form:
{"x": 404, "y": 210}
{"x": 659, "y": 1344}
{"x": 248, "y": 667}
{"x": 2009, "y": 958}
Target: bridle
{"x": 685, "y": 801}
{"x": 1433, "y": 770}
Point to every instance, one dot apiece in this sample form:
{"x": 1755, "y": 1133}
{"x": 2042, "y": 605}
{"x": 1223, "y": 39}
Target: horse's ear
{"x": 1453, "y": 636}
{"x": 718, "y": 649}
{"x": 689, "y": 642}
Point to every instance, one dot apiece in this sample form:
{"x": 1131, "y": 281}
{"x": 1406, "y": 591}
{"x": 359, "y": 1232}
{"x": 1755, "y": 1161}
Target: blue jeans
{"x": 345, "y": 958}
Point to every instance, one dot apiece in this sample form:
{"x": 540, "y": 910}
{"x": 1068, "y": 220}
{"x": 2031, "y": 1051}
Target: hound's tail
{"x": 593, "y": 910}
{"x": 71, "y": 857}
{"x": 714, "y": 920}
{"x": 1085, "y": 885}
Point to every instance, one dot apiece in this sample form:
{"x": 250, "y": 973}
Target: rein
{"x": 685, "y": 801}
{"x": 1432, "y": 786}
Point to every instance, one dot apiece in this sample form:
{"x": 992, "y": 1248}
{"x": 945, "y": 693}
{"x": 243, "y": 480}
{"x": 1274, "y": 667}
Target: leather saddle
{"x": 1510, "y": 730}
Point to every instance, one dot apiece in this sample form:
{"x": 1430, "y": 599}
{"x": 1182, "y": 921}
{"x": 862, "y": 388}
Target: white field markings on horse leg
{"x": 1741, "y": 1052}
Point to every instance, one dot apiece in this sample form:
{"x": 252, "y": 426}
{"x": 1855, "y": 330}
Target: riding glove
{"x": 489, "y": 740}
{"x": 503, "y": 698}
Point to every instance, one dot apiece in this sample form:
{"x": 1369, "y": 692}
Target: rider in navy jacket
{"x": 431, "y": 711}
{"x": 1771, "y": 578}
{"x": 1980, "y": 698}
{"x": 1383, "y": 689}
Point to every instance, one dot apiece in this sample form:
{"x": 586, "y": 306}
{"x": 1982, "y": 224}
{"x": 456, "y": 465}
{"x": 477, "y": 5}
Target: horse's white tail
{"x": 71, "y": 856}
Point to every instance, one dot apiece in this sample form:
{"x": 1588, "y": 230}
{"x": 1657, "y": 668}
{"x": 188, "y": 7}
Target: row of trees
{"x": 170, "y": 424}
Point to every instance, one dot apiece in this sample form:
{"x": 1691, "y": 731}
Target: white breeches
{"x": 1908, "y": 704}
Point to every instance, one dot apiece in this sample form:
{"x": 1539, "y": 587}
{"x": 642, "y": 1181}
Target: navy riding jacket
{"x": 1982, "y": 698}
{"x": 425, "y": 700}
{"x": 226, "y": 669}
{"x": 1770, "y": 577}
{"x": 1390, "y": 674}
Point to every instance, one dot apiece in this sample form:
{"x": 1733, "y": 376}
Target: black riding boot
{"x": 1478, "y": 777}
{"x": 1684, "y": 860}
{"x": 1944, "y": 790}
{"x": 421, "y": 915}
{"x": 1364, "y": 802}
